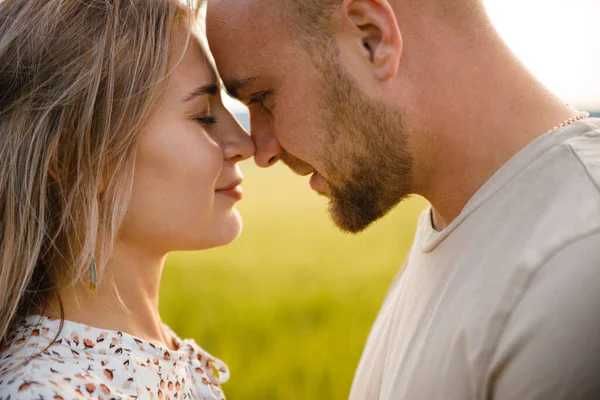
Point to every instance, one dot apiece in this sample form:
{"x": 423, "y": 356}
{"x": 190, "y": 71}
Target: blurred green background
{"x": 289, "y": 305}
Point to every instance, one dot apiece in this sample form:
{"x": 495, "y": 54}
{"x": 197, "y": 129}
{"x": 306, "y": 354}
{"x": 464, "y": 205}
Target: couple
{"x": 116, "y": 150}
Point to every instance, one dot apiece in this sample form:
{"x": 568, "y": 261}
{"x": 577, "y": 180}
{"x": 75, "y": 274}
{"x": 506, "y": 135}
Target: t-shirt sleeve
{"x": 550, "y": 348}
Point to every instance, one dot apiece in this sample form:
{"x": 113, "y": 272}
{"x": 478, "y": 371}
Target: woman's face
{"x": 187, "y": 178}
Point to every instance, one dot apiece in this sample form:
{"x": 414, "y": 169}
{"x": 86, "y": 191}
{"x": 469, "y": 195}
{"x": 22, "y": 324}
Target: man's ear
{"x": 375, "y": 27}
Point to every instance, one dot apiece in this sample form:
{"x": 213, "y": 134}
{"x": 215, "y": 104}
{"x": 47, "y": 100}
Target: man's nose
{"x": 268, "y": 149}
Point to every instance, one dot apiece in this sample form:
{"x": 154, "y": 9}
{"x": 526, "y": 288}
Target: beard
{"x": 365, "y": 151}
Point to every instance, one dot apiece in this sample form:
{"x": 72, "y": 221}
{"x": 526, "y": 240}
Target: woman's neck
{"x": 126, "y": 297}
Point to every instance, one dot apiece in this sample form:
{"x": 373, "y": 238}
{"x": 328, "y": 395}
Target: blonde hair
{"x": 78, "y": 79}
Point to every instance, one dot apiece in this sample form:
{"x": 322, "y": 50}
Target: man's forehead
{"x": 243, "y": 46}
{"x": 237, "y": 29}
{"x": 237, "y": 12}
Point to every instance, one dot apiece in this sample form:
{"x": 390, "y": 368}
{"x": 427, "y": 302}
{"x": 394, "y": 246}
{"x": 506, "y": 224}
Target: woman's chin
{"x": 195, "y": 235}
{"x": 228, "y": 235}
{"x": 225, "y": 231}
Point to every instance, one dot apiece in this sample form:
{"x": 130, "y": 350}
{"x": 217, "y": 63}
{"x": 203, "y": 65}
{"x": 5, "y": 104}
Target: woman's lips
{"x": 233, "y": 191}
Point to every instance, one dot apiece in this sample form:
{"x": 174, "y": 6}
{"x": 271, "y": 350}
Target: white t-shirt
{"x": 504, "y": 303}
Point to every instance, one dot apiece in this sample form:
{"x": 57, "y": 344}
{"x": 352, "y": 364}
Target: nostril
{"x": 272, "y": 160}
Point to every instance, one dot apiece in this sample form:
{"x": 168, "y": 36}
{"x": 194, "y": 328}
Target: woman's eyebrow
{"x": 211, "y": 89}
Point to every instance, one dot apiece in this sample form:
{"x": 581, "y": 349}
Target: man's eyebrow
{"x": 233, "y": 87}
{"x": 211, "y": 89}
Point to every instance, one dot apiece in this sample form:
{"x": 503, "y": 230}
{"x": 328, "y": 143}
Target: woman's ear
{"x": 373, "y": 25}
{"x": 53, "y": 167}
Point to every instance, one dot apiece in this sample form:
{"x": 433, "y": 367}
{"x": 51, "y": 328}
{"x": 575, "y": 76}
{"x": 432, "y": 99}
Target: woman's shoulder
{"x": 52, "y": 374}
{"x": 29, "y": 371}
{"x": 37, "y": 363}
{"x": 51, "y": 359}
{"x": 39, "y": 379}
{"x": 27, "y": 383}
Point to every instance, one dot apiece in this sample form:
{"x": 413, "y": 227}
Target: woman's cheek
{"x": 209, "y": 166}
{"x": 206, "y": 171}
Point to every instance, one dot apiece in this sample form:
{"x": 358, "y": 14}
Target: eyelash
{"x": 260, "y": 99}
{"x": 206, "y": 120}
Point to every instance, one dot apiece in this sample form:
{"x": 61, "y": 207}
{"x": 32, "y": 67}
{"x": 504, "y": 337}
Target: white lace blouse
{"x": 90, "y": 363}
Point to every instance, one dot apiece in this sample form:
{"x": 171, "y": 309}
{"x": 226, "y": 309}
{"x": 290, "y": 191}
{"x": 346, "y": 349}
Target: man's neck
{"x": 483, "y": 109}
{"x": 471, "y": 166}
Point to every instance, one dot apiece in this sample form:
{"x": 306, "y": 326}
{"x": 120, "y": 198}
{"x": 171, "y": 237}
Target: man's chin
{"x": 349, "y": 217}
{"x": 354, "y": 215}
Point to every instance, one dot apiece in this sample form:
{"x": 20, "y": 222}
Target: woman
{"x": 115, "y": 149}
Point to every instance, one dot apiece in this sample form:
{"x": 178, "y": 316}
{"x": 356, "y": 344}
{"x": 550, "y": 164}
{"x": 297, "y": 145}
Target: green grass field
{"x": 289, "y": 305}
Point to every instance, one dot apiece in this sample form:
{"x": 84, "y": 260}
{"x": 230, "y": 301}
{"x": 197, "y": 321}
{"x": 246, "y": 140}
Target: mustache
{"x": 295, "y": 164}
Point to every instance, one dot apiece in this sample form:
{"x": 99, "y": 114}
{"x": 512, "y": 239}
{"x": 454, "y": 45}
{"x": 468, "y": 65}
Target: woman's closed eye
{"x": 205, "y": 120}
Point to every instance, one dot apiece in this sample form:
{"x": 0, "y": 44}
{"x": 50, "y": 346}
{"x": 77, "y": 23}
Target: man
{"x": 377, "y": 99}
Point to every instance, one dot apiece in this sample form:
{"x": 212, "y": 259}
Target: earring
{"x": 92, "y": 278}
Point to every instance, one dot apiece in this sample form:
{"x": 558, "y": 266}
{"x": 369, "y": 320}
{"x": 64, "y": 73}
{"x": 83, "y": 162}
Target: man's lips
{"x": 296, "y": 164}
{"x": 318, "y": 183}
{"x": 301, "y": 171}
{"x": 302, "y": 168}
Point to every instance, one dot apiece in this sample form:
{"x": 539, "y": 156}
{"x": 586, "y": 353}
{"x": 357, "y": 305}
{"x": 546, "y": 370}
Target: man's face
{"x": 311, "y": 113}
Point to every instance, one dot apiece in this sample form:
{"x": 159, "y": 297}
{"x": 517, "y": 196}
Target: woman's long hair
{"x": 78, "y": 79}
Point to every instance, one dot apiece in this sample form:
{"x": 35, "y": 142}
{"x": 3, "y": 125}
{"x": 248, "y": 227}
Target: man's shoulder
{"x": 577, "y": 260}
{"x": 586, "y": 148}
{"x": 562, "y": 293}
{"x": 555, "y": 199}
{"x": 551, "y": 344}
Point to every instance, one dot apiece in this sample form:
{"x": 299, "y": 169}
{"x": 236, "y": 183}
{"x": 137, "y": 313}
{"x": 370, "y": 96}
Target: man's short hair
{"x": 312, "y": 21}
